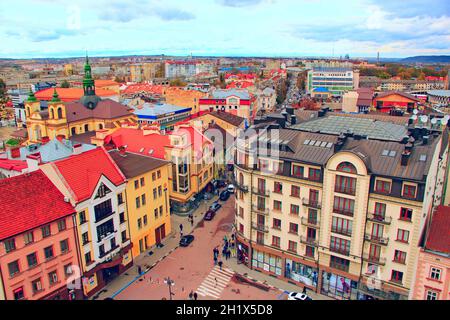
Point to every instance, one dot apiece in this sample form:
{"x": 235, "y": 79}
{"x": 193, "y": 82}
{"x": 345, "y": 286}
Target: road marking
{"x": 215, "y": 282}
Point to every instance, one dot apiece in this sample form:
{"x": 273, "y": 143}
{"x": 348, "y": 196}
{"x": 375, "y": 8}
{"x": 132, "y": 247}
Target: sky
{"x": 360, "y": 28}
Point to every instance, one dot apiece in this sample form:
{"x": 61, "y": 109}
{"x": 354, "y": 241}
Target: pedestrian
{"x": 181, "y": 227}
{"x": 215, "y": 279}
{"x": 220, "y": 264}
{"x": 191, "y": 295}
{"x": 228, "y": 253}
{"x": 139, "y": 270}
{"x": 304, "y": 289}
{"x": 192, "y": 221}
{"x": 195, "y": 295}
{"x": 215, "y": 260}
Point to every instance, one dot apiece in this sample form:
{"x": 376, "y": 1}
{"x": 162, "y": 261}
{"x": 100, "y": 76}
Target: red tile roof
{"x": 240, "y": 84}
{"x": 70, "y": 94}
{"x": 146, "y": 87}
{"x": 29, "y": 201}
{"x": 16, "y": 165}
{"x": 83, "y": 171}
{"x": 439, "y": 233}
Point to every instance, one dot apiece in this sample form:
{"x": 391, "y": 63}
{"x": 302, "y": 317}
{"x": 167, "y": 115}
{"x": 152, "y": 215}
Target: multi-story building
{"x": 95, "y": 187}
{"x": 188, "y": 150}
{"x": 235, "y": 101}
{"x": 386, "y": 101}
{"x": 336, "y": 80}
{"x": 184, "y": 98}
{"x": 180, "y": 69}
{"x": 401, "y": 85}
{"x": 146, "y": 71}
{"x": 147, "y": 195}
{"x": 162, "y": 114}
{"x": 38, "y": 249}
{"x": 339, "y": 213}
{"x": 433, "y": 269}
{"x": 88, "y": 114}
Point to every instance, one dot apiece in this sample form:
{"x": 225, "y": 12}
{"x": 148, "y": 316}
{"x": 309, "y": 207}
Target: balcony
{"x": 349, "y": 191}
{"x": 260, "y": 210}
{"x": 240, "y": 186}
{"x": 260, "y": 227}
{"x": 103, "y": 254}
{"x": 347, "y": 233}
{"x": 376, "y": 239}
{"x": 340, "y": 251}
{"x": 311, "y": 203}
{"x": 314, "y": 223}
{"x": 309, "y": 241}
{"x": 261, "y": 192}
{"x": 375, "y": 260}
{"x": 344, "y": 212}
{"x": 376, "y": 217}
{"x": 378, "y": 289}
{"x": 338, "y": 266}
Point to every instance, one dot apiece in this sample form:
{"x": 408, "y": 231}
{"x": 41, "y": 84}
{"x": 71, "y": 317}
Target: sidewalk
{"x": 146, "y": 261}
{"x": 268, "y": 280}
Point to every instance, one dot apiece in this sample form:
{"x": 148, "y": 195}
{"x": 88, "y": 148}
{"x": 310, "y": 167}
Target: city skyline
{"x": 361, "y": 28}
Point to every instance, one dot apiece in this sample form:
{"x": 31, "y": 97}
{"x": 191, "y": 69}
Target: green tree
{"x": 65, "y": 84}
{"x": 177, "y": 83}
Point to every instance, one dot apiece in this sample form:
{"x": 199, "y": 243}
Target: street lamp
{"x": 170, "y": 283}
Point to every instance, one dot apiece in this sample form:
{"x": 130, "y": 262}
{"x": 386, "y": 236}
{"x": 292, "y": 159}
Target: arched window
{"x": 60, "y": 115}
{"x": 86, "y": 127}
{"x": 241, "y": 178}
{"x": 100, "y": 126}
{"x": 73, "y": 131}
{"x": 52, "y": 113}
{"x": 346, "y": 167}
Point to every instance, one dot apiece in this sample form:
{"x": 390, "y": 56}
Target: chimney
{"x": 77, "y": 149}
{"x": 405, "y": 157}
{"x": 45, "y": 140}
{"x": 340, "y": 143}
{"x": 122, "y": 151}
{"x": 33, "y": 161}
{"x": 15, "y": 152}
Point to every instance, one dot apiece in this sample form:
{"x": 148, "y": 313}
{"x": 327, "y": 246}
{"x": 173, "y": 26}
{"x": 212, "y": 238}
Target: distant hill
{"x": 427, "y": 59}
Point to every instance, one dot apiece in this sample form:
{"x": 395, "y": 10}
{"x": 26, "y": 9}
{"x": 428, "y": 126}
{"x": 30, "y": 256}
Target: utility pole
{"x": 170, "y": 283}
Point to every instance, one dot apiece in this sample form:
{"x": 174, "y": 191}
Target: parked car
{"x": 219, "y": 183}
{"x": 230, "y": 188}
{"x": 298, "y": 296}
{"x": 215, "y": 206}
{"x": 224, "y": 195}
{"x": 209, "y": 215}
{"x": 186, "y": 240}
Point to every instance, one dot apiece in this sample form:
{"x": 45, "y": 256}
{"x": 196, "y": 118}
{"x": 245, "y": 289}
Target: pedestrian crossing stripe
{"x": 211, "y": 287}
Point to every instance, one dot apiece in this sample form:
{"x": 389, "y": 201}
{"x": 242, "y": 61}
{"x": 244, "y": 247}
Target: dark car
{"x": 215, "y": 206}
{"x": 224, "y": 195}
{"x": 209, "y": 215}
{"x": 186, "y": 240}
{"x": 219, "y": 183}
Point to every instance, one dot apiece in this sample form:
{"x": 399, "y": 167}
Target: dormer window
{"x": 383, "y": 186}
{"x": 409, "y": 191}
{"x": 102, "y": 191}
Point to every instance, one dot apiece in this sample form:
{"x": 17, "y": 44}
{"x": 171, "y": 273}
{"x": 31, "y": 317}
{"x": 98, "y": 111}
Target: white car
{"x": 230, "y": 188}
{"x": 298, "y": 296}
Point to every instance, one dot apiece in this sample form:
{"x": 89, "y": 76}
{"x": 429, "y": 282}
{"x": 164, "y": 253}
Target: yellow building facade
{"x": 184, "y": 98}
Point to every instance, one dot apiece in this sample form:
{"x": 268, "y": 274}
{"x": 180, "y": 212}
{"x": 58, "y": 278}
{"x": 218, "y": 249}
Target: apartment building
{"x": 238, "y": 102}
{"x": 339, "y": 213}
{"x": 336, "y": 80}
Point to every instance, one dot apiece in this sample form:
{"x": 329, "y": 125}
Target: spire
{"x": 31, "y": 96}
{"x": 55, "y": 96}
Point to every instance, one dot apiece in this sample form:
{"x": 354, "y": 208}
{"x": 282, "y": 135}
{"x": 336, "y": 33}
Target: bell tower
{"x": 89, "y": 99}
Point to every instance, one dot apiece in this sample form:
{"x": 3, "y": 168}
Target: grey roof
{"x": 223, "y": 94}
{"x": 158, "y": 109}
{"x": 441, "y": 93}
{"x": 105, "y": 109}
{"x": 371, "y": 128}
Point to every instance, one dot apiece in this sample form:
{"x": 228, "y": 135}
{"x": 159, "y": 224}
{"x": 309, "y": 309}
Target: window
{"x": 298, "y": 171}
{"x": 136, "y": 184}
{"x": 292, "y": 246}
{"x": 145, "y": 220}
{"x": 261, "y": 185}
{"x": 153, "y": 176}
{"x": 277, "y": 224}
{"x": 138, "y": 203}
{"x": 340, "y": 245}
{"x": 143, "y": 200}
{"x": 160, "y": 210}
{"x": 156, "y": 213}
{"x": 345, "y": 185}
{"x": 122, "y": 217}
{"x": 36, "y": 286}
{"x": 64, "y": 245}
{"x": 380, "y": 211}
{"x": 19, "y": 294}
{"x": 82, "y": 216}
{"x": 102, "y": 191}
{"x": 435, "y": 273}
{"x": 10, "y": 245}
{"x": 309, "y": 251}
{"x": 382, "y": 186}
{"x": 139, "y": 223}
{"x": 314, "y": 174}
{"x": 346, "y": 167}
{"x": 61, "y": 225}
{"x": 278, "y": 187}
{"x": 105, "y": 229}
{"x": 400, "y": 256}
{"x": 155, "y": 194}
{"x": 120, "y": 198}
{"x": 295, "y": 209}
{"x": 277, "y": 205}
{"x": 406, "y": 214}
{"x": 396, "y": 276}
{"x": 431, "y": 295}
{"x": 142, "y": 182}
{"x": 339, "y": 263}
{"x": 48, "y": 252}
{"x": 13, "y": 268}
{"x": 276, "y": 241}
{"x": 68, "y": 270}
{"x": 241, "y": 212}
{"x": 402, "y": 235}
{"x": 293, "y": 228}
{"x": 88, "y": 258}
{"x": 103, "y": 210}
{"x": 343, "y": 206}
{"x": 158, "y": 173}
{"x": 409, "y": 191}
{"x": 32, "y": 260}
{"x": 85, "y": 238}
{"x": 312, "y": 216}
{"x": 124, "y": 235}
{"x": 53, "y": 278}
{"x": 261, "y": 203}
{"x": 28, "y": 237}
{"x": 295, "y": 191}
{"x": 46, "y": 231}
{"x": 160, "y": 191}
{"x": 342, "y": 226}
{"x": 241, "y": 228}
{"x": 260, "y": 237}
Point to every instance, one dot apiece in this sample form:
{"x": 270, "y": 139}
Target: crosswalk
{"x": 215, "y": 282}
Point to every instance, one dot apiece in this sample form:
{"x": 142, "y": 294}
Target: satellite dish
{"x": 433, "y": 121}
{"x": 414, "y": 117}
{"x": 424, "y": 118}
{"x": 415, "y": 111}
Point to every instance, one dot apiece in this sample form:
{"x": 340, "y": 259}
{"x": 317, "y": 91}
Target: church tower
{"x": 89, "y": 99}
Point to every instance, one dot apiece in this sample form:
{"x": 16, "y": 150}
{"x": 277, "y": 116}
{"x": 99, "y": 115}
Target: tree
{"x": 177, "y": 83}
{"x": 65, "y": 84}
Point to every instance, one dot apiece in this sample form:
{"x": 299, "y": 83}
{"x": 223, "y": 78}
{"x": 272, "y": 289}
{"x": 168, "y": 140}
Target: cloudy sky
{"x": 360, "y": 28}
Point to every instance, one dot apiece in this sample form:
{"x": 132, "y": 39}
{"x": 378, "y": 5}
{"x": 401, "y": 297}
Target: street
{"x": 192, "y": 268}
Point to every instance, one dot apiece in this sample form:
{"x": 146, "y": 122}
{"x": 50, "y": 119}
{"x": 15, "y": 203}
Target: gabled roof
{"x": 82, "y": 172}
{"x": 105, "y": 109}
{"x": 70, "y": 94}
{"x": 228, "y": 117}
{"x": 439, "y": 233}
{"x": 399, "y": 93}
{"x": 29, "y": 201}
{"x": 133, "y": 165}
